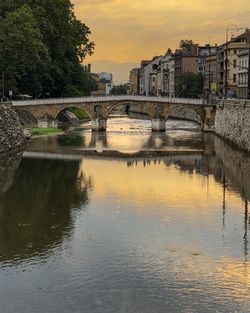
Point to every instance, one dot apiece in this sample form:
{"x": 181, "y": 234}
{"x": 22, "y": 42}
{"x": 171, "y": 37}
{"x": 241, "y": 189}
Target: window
{"x": 235, "y": 51}
{"x": 234, "y": 78}
{"x": 235, "y": 63}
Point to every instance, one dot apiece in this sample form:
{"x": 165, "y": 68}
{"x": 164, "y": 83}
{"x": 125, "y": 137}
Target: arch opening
{"x": 128, "y": 116}
{"x": 187, "y": 114}
{"x": 128, "y": 110}
{"x": 73, "y": 116}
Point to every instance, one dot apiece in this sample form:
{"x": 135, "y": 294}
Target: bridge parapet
{"x": 99, "y": 108}
{"x": 168, "y": 100}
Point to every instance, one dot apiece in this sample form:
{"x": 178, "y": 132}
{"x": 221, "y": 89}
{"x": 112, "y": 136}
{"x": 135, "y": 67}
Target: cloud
{"x": 128, "y": 31}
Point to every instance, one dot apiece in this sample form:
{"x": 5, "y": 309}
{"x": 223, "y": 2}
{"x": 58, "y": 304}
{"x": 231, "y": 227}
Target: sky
{"x": 125, "y": 32}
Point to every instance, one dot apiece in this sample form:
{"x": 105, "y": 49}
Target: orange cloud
{"x": 128, "y": 31}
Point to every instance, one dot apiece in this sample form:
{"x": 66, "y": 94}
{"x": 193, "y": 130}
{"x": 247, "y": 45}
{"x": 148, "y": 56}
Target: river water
{"x": 125, "y": 222}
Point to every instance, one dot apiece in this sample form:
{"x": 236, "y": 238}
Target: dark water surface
{"x": 126, "y": 221}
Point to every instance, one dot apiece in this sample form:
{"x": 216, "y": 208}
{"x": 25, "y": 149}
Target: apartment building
{"x": 184, "y": 62}
{"x": 148, "y": 76}
{"x": 134, "y": 81}
{"x": 104, "y": 83}
{"x": 243, "y": 57}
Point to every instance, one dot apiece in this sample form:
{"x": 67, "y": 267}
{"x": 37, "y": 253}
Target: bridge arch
{"x": 129, "y": 106}
{"x": 81, "y": 107}
{"x": 189, "y": 113}
{"x": 99, "y": 108}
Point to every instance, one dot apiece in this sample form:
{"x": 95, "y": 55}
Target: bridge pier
{"x": 158, "y": 125}
{"x": 208, "y": 125}
{"x": 99, "y": 124}
{"x": 47, "y": 123}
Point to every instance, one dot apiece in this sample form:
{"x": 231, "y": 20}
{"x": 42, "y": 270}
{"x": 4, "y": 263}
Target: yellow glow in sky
{"x": 127, "y": 31}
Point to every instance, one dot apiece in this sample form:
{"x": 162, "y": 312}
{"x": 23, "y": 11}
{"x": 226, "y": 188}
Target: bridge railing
{"x": 78, "y": 100}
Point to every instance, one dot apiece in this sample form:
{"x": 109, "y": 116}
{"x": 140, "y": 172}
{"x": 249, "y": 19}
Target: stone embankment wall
{"x": 232, "y": 122}
{"x": 11, "y": 132}
{"x": 236, "y": 166}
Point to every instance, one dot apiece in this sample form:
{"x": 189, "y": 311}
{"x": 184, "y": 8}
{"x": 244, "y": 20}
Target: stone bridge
{"x": 158, "y": 109}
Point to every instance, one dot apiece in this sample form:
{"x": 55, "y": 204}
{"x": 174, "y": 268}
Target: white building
{"x": 243, "y": 59}
{"x": 107, "y": 79}
{"x": 148, "y": 76}
{"x": 165, "y": 74}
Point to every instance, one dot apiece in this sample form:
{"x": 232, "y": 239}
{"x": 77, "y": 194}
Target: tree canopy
{"x": 191, "y": 85}
{"x": 42, "y": 46}
{"x": 187, "y": 45}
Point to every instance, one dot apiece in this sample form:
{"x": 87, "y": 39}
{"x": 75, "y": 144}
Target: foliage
{"x": 36, "y": 131}
{"x": 187, "y": 45}
{"x": 119, "y": 90}
{"x": 191, "y": 85}
{"x": 21, "y": 48}
{"x": 49, "y": 43}
{"x": 79, "y": 113}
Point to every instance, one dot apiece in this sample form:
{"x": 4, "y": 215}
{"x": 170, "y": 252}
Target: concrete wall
{"x": 11, "y": 133}
{"x": 232, "y": 122}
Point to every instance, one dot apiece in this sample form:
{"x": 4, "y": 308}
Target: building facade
{"x": 134, "y": 81}
{"x": 243, "y": 57}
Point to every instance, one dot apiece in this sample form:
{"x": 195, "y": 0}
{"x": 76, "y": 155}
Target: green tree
{"x": 119, "y": 90}
{"x": 21, "y": 48}
{"x": 187, "y": 45}
{"x": 67, "y": 42}
{"x": 191, "y": 85}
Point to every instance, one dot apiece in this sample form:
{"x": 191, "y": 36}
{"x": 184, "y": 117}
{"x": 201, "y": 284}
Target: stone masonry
{"x": 232, "y": 122}
{"x": 11, "y": 132}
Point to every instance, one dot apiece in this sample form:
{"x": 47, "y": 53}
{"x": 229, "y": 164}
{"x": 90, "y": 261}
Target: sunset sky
{"x": 127, "y": 31}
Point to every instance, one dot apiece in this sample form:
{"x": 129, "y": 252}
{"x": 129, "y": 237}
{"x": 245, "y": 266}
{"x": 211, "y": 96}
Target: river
{"x": 125, "y": 222}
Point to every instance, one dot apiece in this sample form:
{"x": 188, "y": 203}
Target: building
{"x": 231, "y": 53}
{"x": 172, "y": 77}
{"x": 212, "y": 79}
{"x": 148, "y": 76}
{"x": 134, "y": 81}
{"x": 203, "y": 52}
{"x": 184, "y": 62}
{"x": 243, "y": 58}
{"x": 104, "y": 83}
{"x": 143, "y": 80}
{"x": 165, "y": 74}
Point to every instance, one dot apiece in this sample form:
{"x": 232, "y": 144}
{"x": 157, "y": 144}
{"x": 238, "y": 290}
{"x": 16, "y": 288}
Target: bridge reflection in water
{"x": 102, "y": 228}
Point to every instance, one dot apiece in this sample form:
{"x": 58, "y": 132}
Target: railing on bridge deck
{"x": 75, "y": 100}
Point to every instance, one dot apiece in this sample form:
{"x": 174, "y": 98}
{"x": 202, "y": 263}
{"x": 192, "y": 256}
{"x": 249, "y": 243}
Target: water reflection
{"x": 9, "y": 163}
{"x": 128, "y": 139}
{"x": 159, "y": 230}
{"x": 37, "y": 209}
